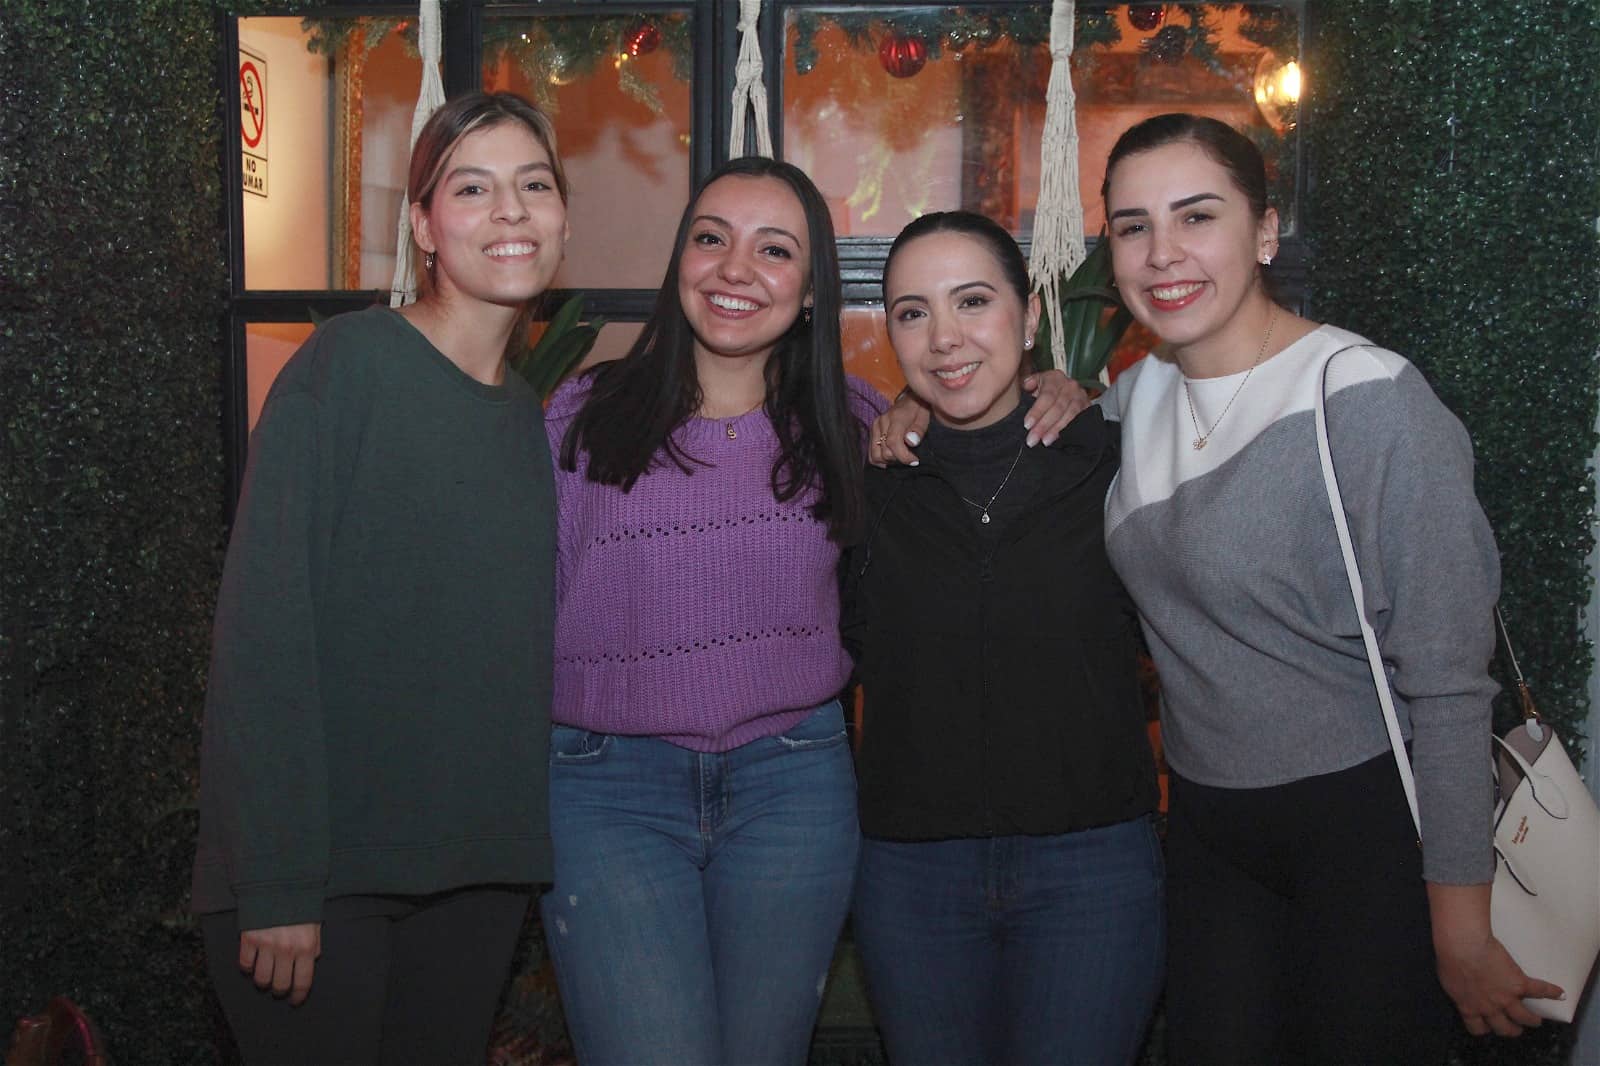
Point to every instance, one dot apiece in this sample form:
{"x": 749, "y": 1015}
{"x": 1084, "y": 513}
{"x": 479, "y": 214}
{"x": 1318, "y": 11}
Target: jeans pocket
{"x": 570, "y": 746}
{"x": 823, "y": 728}
{"x": 1158, "y": 855}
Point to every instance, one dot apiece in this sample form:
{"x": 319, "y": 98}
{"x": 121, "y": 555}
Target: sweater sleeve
{"x": 263, "y": 749}
{"x": 866, "y": 402}
{"x": 572, "y": 486}
{"x": 1432, "y": 575}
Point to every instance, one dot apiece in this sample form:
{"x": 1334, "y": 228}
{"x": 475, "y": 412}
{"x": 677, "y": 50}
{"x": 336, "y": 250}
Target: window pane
{"x": 267, "y": 346}
{"x": 867, "y": 354}
{"x": 899, "y": 111}
{"x": 618, "y": 89}
{"x": 326, "y": 129}
{"x": 613, "y": 343}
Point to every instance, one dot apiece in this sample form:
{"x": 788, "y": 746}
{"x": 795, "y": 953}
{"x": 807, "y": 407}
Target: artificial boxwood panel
{"x": 1455, "y": 200}
{"x": 1468, "y": 245}
{"x": 1452, "y": 212}
{"x": 111, "y": 510}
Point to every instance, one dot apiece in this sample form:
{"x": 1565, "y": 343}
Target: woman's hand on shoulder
{"x": 897, "y": 431}
{"x": 1479, "y": 975}
{"x": 1057, "y": 400}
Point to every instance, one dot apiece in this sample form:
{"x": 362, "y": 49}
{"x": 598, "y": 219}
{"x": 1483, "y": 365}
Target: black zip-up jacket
{"x": 1001, "y": 682}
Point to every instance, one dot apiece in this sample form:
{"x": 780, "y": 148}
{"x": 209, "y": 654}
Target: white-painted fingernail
{"x": 913, "y": 438}
{"x": 916, "y": 462}
{"x": 1027, "y": 423}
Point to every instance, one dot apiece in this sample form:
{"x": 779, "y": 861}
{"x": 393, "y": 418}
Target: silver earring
{"x": 427, "y": 261}
{"x": 1266, "y": 260}
{"x": 1027, "y": 343}
{"x": 805, "y": 315}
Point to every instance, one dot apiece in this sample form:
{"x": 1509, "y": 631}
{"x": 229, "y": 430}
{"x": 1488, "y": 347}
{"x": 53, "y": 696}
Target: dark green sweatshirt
{"x": 378, "y": 711}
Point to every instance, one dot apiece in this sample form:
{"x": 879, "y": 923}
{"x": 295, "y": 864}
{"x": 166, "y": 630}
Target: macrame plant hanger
{"x": 749, "y": 89}
{"x": 430, "y": 96}
{"x": 1058, "y": 218}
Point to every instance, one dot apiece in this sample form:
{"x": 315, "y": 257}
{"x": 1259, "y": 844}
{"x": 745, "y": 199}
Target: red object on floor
{"x": 62, "y": 1034}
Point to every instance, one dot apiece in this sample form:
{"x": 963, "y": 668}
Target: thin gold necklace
{"x": 983, "y": 508}
{"x": 728, "y": 420}
{"x": 1200, "y": 438}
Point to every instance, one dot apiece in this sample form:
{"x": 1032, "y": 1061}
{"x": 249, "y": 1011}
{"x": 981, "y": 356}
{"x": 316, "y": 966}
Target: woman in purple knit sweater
{"x": 702, "y": 795}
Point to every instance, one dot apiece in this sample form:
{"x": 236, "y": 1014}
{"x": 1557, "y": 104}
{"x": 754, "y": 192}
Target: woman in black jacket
{"x": 1009, "y": 895}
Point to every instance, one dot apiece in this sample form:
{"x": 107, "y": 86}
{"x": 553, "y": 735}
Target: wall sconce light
{"x": 1277, "y": 91}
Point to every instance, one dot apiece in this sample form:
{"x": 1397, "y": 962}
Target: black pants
{"x": 401, "y": 979}
{"x": 1298, "y": 926}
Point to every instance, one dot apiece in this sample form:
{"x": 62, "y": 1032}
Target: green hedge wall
{"x": 111, "y": 505}
{"x": 1468, "y": 245}
{"x": 1453, "y": 214}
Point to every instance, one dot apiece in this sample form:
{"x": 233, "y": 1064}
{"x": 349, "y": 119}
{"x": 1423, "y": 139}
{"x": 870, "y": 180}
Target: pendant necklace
{"x": 1200, "y": 438}
{"x": 983, "y": 508}
{"x": 728, "y": 422}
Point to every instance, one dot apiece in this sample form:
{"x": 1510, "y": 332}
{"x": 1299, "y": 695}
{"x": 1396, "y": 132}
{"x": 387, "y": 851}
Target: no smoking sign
{"x": 253, "y": 121}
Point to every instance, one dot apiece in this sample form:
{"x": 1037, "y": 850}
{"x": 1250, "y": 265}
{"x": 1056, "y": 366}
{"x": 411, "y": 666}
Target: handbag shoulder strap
{"x": 1380, "y": 677}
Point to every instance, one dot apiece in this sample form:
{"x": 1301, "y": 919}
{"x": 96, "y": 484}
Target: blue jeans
{"x": 1019, "y": 949}
{"x": 698, "y": 897}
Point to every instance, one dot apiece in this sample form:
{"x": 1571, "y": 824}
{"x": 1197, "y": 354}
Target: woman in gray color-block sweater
{"x": 1304, "y": 923}
{"x": 373, "y": 808}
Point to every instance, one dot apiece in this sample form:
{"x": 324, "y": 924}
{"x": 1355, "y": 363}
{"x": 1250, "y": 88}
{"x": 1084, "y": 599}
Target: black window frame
{"x": 861, "y": 258}
{"x": 716, "y": 49}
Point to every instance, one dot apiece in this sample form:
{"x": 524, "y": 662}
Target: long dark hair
{"x": 635, "y": 404}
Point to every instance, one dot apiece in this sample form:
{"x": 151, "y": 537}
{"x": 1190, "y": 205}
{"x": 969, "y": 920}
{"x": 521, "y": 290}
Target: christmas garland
{"x": 554, "y": 50}
{"x": 551, "y": 52}
{"x": 908, "y": 40}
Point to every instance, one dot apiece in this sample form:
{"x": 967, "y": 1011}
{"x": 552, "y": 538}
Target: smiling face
{"x": 1185, "y": 245}
{"x": 745, "y": 269}
{"x": 495, "y": 220}
{"x": 957, "y": 326}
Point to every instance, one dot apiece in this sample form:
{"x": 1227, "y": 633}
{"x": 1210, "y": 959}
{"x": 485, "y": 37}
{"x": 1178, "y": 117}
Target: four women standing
{"x": 376, "y": 720}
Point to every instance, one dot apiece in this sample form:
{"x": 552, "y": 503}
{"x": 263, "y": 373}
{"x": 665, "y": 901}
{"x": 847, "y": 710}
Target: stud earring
{"x": 427, "y": 261}
{"x": 1266, "y": 260}
{"x": 805, "y": 315}
{"x": 1027, "y": 344}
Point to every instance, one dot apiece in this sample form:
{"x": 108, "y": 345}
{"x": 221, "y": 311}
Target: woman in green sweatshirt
{"x": 373, "y": 803}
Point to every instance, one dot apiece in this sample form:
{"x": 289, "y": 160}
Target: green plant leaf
{"x": 562, "y": 346}
{"x": 1089, "y": 335}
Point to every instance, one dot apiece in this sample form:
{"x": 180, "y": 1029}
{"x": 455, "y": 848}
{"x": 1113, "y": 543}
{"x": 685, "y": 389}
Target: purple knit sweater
{"x": 695, "y": 608}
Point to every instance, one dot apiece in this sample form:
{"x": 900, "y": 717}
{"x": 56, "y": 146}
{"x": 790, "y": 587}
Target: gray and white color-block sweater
{"x": 1231, "y": 556}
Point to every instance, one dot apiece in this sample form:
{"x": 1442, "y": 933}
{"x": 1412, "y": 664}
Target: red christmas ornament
{"x": 1147, "y": 17}
{"x": 642, "y": 40}
{"x": 902, "y": 55}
